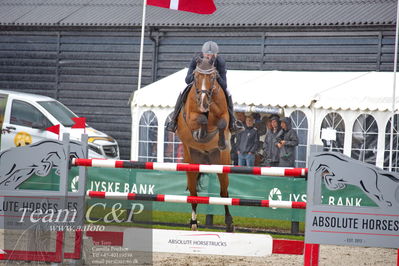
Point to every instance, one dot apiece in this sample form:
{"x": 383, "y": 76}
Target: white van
{"x": 24, "y": 118}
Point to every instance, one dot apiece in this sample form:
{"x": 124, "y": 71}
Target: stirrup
{"x": 236, "y": 128}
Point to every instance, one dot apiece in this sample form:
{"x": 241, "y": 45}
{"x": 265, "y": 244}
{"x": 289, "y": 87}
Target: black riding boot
{"x": 234, "y": 126}
{"x": 172, "y": 124}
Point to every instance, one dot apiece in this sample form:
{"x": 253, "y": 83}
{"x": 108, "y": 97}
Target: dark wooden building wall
{"x": 97, "y": 74}
{"x": 94, "y": 72}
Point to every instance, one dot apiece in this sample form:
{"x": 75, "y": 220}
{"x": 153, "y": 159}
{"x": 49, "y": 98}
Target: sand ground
{"x": 329, "y": 255}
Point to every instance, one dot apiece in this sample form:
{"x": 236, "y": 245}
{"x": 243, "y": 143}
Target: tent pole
{"x": 395, "y": 62}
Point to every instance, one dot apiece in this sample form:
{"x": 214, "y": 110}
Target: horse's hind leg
{"x": 222, "y": 124}
{"x": 228, "y": 219}
{"x": 192, "y": 187}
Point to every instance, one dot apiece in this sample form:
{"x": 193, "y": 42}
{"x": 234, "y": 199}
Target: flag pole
{"x": 142, "y": 44}
{"x": 395, "y": 62}
{"x": 141, "y": 50}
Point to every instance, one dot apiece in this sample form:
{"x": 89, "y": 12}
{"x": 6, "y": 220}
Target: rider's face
{"x": 209, "y": 56}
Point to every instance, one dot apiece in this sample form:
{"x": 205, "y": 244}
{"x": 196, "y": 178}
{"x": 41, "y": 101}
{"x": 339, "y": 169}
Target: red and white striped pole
{"x": 197, "y": 199}
{"x": 203, "y": 168}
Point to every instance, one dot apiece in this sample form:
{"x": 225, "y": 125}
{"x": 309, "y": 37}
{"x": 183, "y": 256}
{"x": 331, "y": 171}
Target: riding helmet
{"x": 210, "y": 47}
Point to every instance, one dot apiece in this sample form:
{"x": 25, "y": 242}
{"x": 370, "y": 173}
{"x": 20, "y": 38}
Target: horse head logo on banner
{"x": 337, "y": 171}
{"x": 19, "y": 164}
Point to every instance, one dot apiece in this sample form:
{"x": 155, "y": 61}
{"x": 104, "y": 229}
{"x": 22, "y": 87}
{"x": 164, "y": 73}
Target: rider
{"x": 209, "y": 49}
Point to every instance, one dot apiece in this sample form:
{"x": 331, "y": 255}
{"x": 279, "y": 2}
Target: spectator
{"x": 241, "y": 118}
{"x": 286, "y": 142}
{"x": 247, "y": 143}
{"x": 268, "y": 124}
{"x": 256, "y": 117}
{"x": 233, "y": 140}
{"x": 271, "y": 152}
{"x": 261, "y": 127}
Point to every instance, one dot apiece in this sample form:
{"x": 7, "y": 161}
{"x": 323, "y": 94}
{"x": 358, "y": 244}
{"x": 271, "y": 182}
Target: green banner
{"x": 174, "y": 183}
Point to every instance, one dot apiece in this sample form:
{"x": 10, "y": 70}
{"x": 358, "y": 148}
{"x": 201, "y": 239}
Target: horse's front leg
{"x": 203, "y": 122}
{"x": 192, "y": 187}
{"x": 222, "y": 124}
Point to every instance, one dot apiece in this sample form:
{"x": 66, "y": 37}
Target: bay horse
{"x": 202, "y": 128}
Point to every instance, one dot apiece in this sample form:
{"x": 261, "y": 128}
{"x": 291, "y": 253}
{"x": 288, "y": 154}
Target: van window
{"x": 3, "y": 103}
{"x": 59, "y": 111}
{"x": 25, "y": 114}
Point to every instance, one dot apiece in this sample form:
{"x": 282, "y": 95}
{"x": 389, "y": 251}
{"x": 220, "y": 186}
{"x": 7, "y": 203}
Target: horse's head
{"x": 205, "y": 76}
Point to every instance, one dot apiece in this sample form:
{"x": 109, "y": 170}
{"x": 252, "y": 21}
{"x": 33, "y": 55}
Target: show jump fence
{"x": 202, "y": 168}
{"x": 197, "y": 199}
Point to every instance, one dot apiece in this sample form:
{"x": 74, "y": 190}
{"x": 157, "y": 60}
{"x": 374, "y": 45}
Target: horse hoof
{"x": 193, "y": 225}
{"x": 230, "y": 228}
{"x": 228, "y": 220}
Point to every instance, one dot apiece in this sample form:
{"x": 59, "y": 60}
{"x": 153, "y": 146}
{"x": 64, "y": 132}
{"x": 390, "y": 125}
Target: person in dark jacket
{"x": 210, "y": 50}
{"x": 234, "y": 138}
{"x": 286, "y": 142}
{"x": 271, "y": 153}
{"x": 247, "y": 143}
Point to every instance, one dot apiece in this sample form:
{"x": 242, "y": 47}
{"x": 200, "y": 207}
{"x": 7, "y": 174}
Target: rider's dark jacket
{"x": 220, "y": 65}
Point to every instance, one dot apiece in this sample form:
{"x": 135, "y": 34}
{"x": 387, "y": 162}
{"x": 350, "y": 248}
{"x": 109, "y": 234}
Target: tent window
{"x": 300, "y": 125}
{"x": 395, "y": 147}
{"x": 364, "y": 139}
{"x": 148, "y": 137}
{"x": 173, "y": 148}
{"x": 334, "y": 121}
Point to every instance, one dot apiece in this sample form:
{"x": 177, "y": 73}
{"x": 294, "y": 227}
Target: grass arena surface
{"x": 182, "y": 219}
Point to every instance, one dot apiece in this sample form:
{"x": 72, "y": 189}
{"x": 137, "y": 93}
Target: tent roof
{"x": 329, "y": 90}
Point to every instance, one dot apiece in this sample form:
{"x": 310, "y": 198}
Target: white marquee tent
{"x": 314, "y": 93}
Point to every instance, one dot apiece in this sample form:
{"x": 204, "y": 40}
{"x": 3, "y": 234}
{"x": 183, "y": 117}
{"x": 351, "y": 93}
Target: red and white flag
{"x": 205, "y": 7}
{"x": 80, "y": 122}
{"x": 54, "y": 129}
{"x": 2, "y": 254}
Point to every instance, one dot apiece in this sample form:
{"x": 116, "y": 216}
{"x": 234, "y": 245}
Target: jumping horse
{"x": 202, "y": 128}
